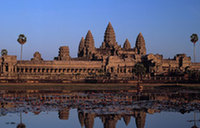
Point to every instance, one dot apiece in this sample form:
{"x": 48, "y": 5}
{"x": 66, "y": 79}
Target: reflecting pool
{"x": 63, "y": 107}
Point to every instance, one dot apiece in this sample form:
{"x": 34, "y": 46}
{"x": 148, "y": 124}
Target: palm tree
{"x": 21, "y": 125}
{"x": 4, "y": 52}
{"x": 194, "y": 39}
{"x": 22, "y": 40}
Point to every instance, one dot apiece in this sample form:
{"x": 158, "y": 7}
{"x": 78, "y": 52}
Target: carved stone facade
{"x": 63, "y": 53}
{"x": 156, "y": 64}
{"x": 110, "y": 60}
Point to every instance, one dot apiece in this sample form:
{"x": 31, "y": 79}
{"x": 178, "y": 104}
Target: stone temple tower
{"x": 127, "y": 45}
{"x": 109, "y": 37}
{"x": 86, "y": 47}
{"x": 81, "y": 47}
{"x": 63, "y": 53}
{"x": 140, "y": 45}
{"x": 89, "y": 43}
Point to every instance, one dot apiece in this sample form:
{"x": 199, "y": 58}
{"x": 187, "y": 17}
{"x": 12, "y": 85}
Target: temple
{"x": 108, "y": 62}
{"x": 110, "y": 106}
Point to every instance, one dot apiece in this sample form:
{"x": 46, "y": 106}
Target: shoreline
{"x": 101, "y": 84}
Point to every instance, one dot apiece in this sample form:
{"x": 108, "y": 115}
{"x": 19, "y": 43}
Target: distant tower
{"x": 63, "y": 53}
{"x": 37, "y": 57}
{"x": 81, "y": 47}
{"x": 127, "y": 45}
{"x": 89, "y": 48}
{"x": 109, "y": 36}
{"x": 140, "y": 44}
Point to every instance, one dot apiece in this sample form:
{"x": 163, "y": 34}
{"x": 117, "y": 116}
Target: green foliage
{"x": 194, "y": 38}
{"x": 176, "y": 72}
{"x": 101, "y": 71}
{"x": 78, "y": 74}
{"x": 194, "y": 75}
{"x": 139, "y": 70}
{"x": 21, "y": 39}
{"x": 4, "y": 52}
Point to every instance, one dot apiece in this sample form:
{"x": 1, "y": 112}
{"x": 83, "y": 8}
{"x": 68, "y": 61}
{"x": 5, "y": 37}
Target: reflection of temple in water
{"x": 21, "y": 125}
{"x": 109, "y": 106}
{"x": 63, "y": 114}
{"x": 110, "y": 120}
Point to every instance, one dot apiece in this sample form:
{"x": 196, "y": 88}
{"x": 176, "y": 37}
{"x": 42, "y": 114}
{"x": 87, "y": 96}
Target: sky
{"x": 48, "y": 24}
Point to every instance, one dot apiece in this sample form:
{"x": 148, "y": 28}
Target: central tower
{"x": 109, "y": 37}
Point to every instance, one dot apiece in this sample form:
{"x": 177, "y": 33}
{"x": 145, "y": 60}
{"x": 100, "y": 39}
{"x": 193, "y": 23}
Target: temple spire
{"x": 109, "y": 36}
{"x": 82, "y": 43}
{"x": 140, "y": 44}
{"x": 127, "y": 45}
{"x": 89, "y": 47}
{"x": 81, "y": 47}
{"x": 89, "y": 41}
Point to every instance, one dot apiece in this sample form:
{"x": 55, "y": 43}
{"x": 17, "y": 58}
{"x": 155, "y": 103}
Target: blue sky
{"x": 49, "y": 24}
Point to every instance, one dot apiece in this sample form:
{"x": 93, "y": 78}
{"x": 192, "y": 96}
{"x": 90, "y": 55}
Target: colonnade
{"x": 56, "y": 70}
{"x": 123, "y": 69}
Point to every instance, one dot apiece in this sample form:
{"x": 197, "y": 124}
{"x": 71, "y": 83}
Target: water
{"x": 64, "y": 107}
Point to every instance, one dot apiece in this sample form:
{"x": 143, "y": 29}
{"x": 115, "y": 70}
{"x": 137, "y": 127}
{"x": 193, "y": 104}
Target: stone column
{"x": 61, "y": 70}
{"x": 3, "y": 68}
{"x": 9, "y": 69}
{"x": 14, "y": 68}
{"x": 23, "y": 69}
{"x": 45, "y": 70}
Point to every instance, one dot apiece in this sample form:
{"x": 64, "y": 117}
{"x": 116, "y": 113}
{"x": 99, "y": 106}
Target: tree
{"x": 4, "y": 52}
{"x": 139, "y": 70}
{"x": 22, "y": 40}
{"x": 194, "y": 39}
{"x": 21, "y": 125}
